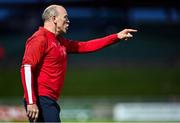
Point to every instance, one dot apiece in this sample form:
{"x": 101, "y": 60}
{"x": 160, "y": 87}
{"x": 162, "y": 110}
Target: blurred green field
{"x": 122, "y": 82}
{"x": 112, "y": 82}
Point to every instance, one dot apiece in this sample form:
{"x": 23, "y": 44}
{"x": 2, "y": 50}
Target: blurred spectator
{"x": 2, "y": 52}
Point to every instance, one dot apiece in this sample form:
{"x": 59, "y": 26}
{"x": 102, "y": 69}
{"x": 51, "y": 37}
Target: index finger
{"x": 131, "y": 30}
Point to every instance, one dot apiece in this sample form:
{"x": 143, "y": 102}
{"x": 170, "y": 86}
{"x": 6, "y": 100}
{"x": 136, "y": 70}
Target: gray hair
{"x": 49, "y": 12}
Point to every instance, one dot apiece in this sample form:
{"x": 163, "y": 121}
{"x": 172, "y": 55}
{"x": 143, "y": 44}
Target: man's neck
{"x": 49, "y": 27}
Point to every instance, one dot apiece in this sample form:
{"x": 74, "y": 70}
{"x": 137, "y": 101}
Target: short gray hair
{"x": 49, "y": 12}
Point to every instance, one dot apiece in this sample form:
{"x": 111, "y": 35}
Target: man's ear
{"x": 54, "y": 19}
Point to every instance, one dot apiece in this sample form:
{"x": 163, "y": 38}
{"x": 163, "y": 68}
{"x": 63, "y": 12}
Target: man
{"x": 44, "y": 62}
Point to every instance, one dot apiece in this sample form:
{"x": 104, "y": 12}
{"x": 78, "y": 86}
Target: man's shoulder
{"x": 39, "y": 35}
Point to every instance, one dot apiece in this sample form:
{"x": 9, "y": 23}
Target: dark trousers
{"x": 49, "y": 110}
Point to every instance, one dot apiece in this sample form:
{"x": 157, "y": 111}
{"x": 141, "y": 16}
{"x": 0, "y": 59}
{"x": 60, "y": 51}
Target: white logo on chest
{"x": 54, "y": 44}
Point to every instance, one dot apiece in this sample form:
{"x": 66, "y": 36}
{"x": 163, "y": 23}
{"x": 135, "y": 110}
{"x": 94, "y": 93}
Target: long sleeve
{"x": 34, "y": 51}
{"x": 91, "y": 45}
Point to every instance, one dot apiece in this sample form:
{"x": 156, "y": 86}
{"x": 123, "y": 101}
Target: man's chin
{"x": 65, "y": 31}
{"x": 61, "y": 33}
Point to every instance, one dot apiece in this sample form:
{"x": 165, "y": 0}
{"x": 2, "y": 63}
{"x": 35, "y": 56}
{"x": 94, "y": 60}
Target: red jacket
{"x": 44, "y": 62}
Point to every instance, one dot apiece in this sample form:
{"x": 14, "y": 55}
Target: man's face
{"x": 61, "y": 22}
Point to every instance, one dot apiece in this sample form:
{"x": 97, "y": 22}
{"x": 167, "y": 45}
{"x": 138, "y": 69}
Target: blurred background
{"x": 134, "y": 80}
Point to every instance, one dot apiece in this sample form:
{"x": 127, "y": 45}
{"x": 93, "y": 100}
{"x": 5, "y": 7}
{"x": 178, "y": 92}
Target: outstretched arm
{"x": 96, "y": 44}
